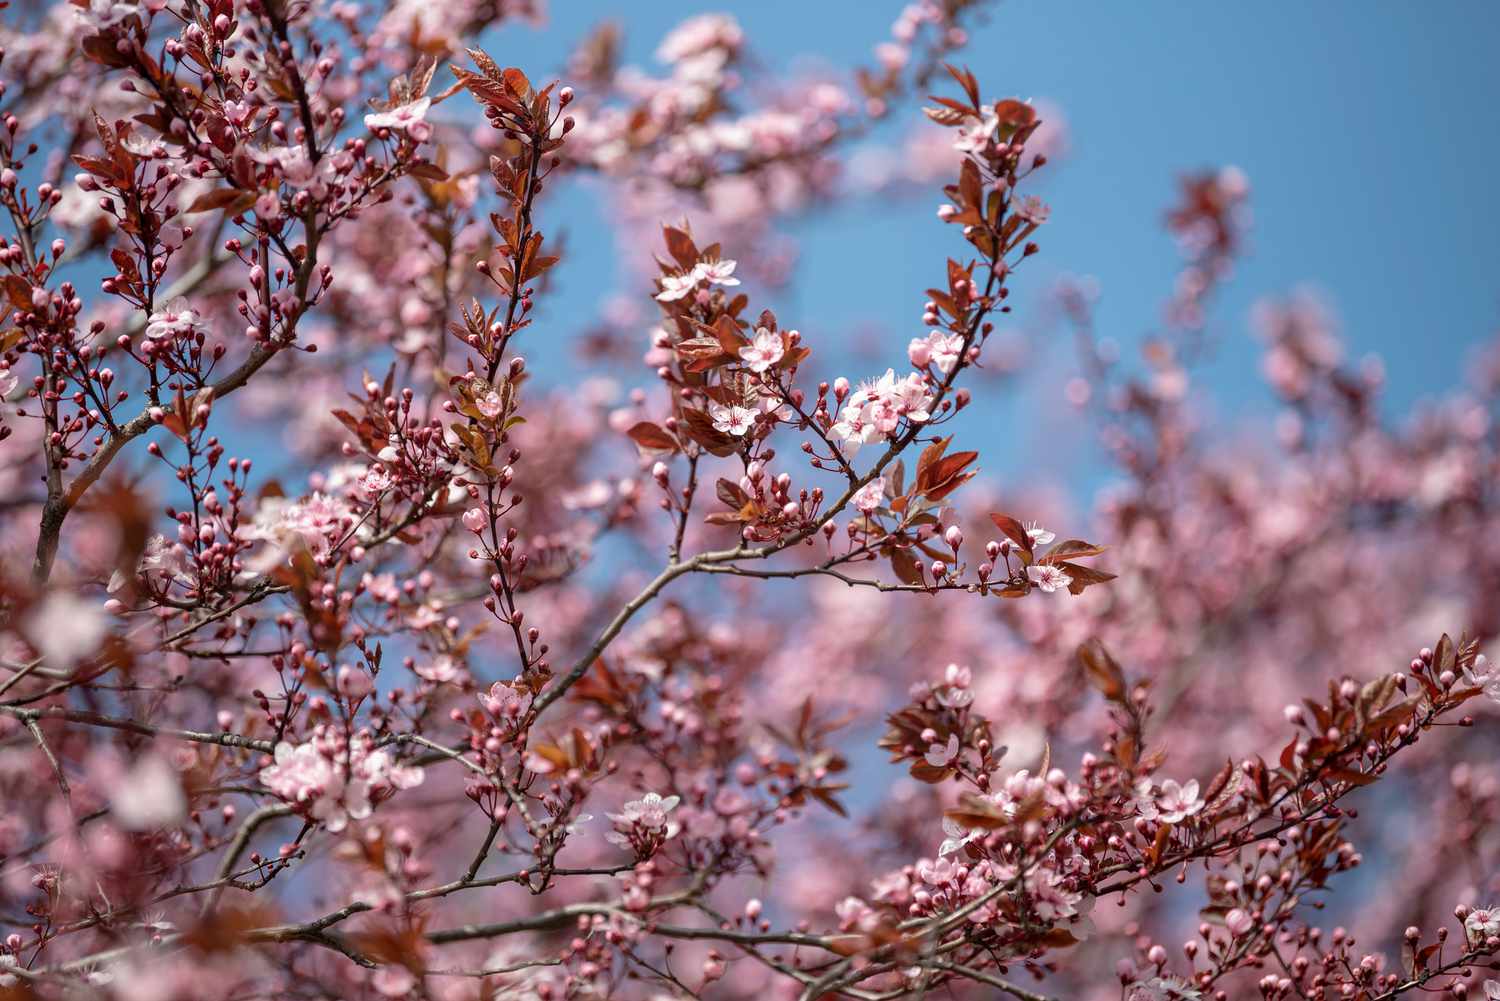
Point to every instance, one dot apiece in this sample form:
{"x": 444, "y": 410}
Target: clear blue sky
{"x": 1368, "y": 132}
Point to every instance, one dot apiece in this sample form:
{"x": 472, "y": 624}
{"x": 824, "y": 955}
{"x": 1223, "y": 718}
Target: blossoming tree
{"x": 406, "y": 718}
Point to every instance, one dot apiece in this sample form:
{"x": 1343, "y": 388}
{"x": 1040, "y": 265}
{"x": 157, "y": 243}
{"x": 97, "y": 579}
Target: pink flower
{"x": 504, "y": 702}
{"x": 333, "y": 783}
{"x": 475, "y": 520}
{"x": 940, "y": 349}
{"x": 941, "y": 755}
{"x": 919, "y": 351}
{"x": 1238, "y": 921}
{"x": 410, "y": 118}
{"x": 105, "y": 13}
{"x": 1039, "y": 536}
{"x": 733, "y": 419}
{"x": 149, "y": 796}
{"x": 173, "y": 320}
{"x": 1173, "y": 804}
{"x": 315, "y": 522}
{"x": 238, "y": 112}
{"x": 958, "y": 836}
{"x": 716, "y": 272}
{"x": 852, "y": 913}
{"x": 869, "y": 497}
{"x": 393, "y": 980}
{"x": 1032, "y": 209}
{"x": 1047, "y": 578}
{"x": 354, "y": 683}
{"x": 1482, "y": 923}
{"x": 1162, "y": 989}
{"x": 65, "y": 629}
{"x": 674, "y": 287}
{"x": 644, "y": 822}
{"x": 700, "y": 34}
{"x": 442, "y": 669}
{"x": 875, "y": 410}
{"x": 1482, "y": 675}
{"x": 974, "y": 136}
{"x": 763, "y": 351}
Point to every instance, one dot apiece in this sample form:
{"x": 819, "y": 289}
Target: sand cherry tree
{"x": 347, "y": 653}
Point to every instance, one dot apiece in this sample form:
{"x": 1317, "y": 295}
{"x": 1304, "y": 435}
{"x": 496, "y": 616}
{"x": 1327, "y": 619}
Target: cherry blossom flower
{"x": 505, "y": 702}
{"x": 1048, "y": 578}
{"x": 1482, "y": 675}
{"x": 644, "y": 821}
{"x": 1171, "y": 805}
{"x": 1238, "y": 921}
{"x": 874, "y": 411}
{"x": 314, "y": 522}
{"x": 1162, "y": 989}
{"x": 703, "y": 33}
{"x": 1039, "y": 536}
{"x": 870, "y": 496}
{"x": 176, "y": 319}
{"x": 334, "y": 784}
{"x": 411, "y": 118}
{"x": 957, "y": 836}
{"x": 733, "y": 419}
{"x": 941, "y": 755}
{"x": 1032, "y": 209}
{"x": 65, "y": 629}
{"x": 101, "y": 14}
{"x": 674, "y": 287}
{"x": 938, "y": 348}
{"x": 442, "y": 668}
{"x": 719, "y": 272}
{"x": 1482, "y": 923}
{"x": 149, "y": 796}
{"x": 763, "y": 351}
{"x": 974, "y": 137}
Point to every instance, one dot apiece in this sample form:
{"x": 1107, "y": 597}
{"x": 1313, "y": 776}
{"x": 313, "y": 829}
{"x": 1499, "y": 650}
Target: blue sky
{"x": 1367, "y": 132}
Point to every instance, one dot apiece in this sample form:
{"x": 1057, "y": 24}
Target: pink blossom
{"x": 870, "y": 496}
{"x": 412, "y": 118}
{"x": 975, "y": 136}
{"x": 674, "y": 287}
{"x": 1032, "y": 209}
{"x": 941, "y": 755}
{"x": 332, "y": 782}
{"x": 1162, "y": 989}
{"x": 149, "y": 796}
{"x": 719, "y": 272}
{"x": 1238, "y": 921}
{"x": 733, "y": 419}
{"x": 176, "y": 319}
{"x": 763, "y": 351}
{"x": 1039, "y": 536}
{"x": 1482, "y": 923}
{"x": 1048, "y": 578}
{"x": 644, "y": 820}
{"x": 700, "y": 34}
{"x": 1171, "y": 805}
{"x": 440, "y": 669}
{"x": 65, "y": 629}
